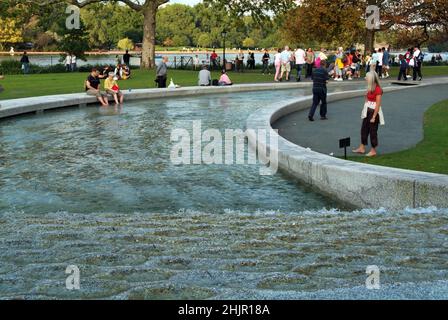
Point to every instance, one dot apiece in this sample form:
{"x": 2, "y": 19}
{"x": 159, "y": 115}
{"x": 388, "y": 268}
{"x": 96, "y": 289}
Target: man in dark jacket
{"x": 320, "y": 79}
{"x": 25, "y": 61}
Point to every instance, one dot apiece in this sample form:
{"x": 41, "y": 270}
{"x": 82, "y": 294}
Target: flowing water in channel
{"x": 96, "y": 188}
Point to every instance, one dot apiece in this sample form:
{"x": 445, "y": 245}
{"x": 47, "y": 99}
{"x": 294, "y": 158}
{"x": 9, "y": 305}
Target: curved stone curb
{"x": 15, "y": 107}
{"x": 361, "y": 185}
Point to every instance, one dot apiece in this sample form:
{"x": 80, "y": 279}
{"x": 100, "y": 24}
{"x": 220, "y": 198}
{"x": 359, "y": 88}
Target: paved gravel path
{"x": 403, "y": 111}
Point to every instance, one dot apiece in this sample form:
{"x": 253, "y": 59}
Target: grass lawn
{"x": 20, "y": 86}
{"x": 430, "y": 155}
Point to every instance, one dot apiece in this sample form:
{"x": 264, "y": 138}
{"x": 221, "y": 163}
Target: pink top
{"x": 225, "y": 78}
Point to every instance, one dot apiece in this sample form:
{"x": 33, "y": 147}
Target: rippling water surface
{"x": 95, "y": 188}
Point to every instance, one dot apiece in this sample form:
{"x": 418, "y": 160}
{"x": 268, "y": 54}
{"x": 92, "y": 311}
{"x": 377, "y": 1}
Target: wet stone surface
{"x": 206, "y": 256}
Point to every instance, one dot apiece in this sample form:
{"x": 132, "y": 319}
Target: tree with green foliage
{"x": 75, "y": 42}
{"x": 249, "y": 43}
{"x": 204, "y": 40}
{"x": 108, "y": 22}
{"x": 176, "y": 22}
{"x": 343, "y": 22}
{"x": 259, "y": 10}
{"x": 125, "y": 44}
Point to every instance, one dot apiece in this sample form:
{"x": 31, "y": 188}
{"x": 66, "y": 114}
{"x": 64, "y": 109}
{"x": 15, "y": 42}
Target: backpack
{"x": 420, "y": 57}
{"x": 215, "y": 82}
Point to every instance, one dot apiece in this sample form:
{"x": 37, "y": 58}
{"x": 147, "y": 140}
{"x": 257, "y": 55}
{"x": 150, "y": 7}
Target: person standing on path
{"x": 418, "y": 61}
{"x": 372, "y": 115}
{"x": 162, "y": 73}
{"x": 25, "y": 61}
{"x": 300, "y": 56}
{"x": 196, "y": 62}
{"x": 214, "y": 60}
{"x": 73, "y": 65}
{"x": 310, "y": 58}
{"x": 285, "y": 58}
{"x": 403, "y": 68}
{"x": 127, "y": 58}
{"x": 278, "y": 64}
{"x": 386, "y": 62}
{"x": 240, "y": 61}
{"x": 320, "y": 79}
{"x": 68, "y": 62}
{"x": 379, "y": 65}
{"x": 265, "y": 60}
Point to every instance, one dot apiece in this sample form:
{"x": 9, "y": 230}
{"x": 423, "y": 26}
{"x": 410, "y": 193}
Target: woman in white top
{"x": 68, "y": 63}
{"x": 372, "y": 115}
{"x": 278, "y": 64}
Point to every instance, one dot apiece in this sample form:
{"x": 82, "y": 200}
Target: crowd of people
{"x": 342, "y": 64}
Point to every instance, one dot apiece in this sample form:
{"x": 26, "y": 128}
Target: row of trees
{"x": 264, "y": 23}
{"x": 106, "y": 23}
{"x": 342, "y": 22}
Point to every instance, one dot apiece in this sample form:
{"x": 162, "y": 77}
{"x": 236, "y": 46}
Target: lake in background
{"x": 47, "y": 60}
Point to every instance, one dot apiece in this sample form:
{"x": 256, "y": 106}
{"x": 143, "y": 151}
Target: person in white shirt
{"x": 285, "y": 58}
{"x": 68, "y": 62}
{"x": 196, "y": 62}
{"x": 418, "y": 61}
{"x": 278, "y": 64}
{"x": 73, "y": 64}
{"x": 379, "y": 68}
{"x": 300, "y": 57}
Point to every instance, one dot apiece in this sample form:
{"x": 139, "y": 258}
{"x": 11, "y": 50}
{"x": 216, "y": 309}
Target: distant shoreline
{"x": 107, "y": 53}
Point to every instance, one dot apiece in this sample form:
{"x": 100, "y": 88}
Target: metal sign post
{"x": 344, "y": 143}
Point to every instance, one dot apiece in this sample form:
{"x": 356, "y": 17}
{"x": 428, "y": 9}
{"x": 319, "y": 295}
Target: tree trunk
{"x": 370, "y": 40}
{"x": 149, "y": 35}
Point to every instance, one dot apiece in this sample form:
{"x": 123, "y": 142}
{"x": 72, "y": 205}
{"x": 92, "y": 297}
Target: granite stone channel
{"x": 95, "y": 188}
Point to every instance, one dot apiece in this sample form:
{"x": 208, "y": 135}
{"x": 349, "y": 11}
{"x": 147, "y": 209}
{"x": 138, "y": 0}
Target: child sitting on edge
{"x": 224, "y": 80}
{"x": 111, "y": 87}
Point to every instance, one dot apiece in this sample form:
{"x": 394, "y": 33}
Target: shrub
{"x": 10, "y": 67}
{"x": 125, "y": 44}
